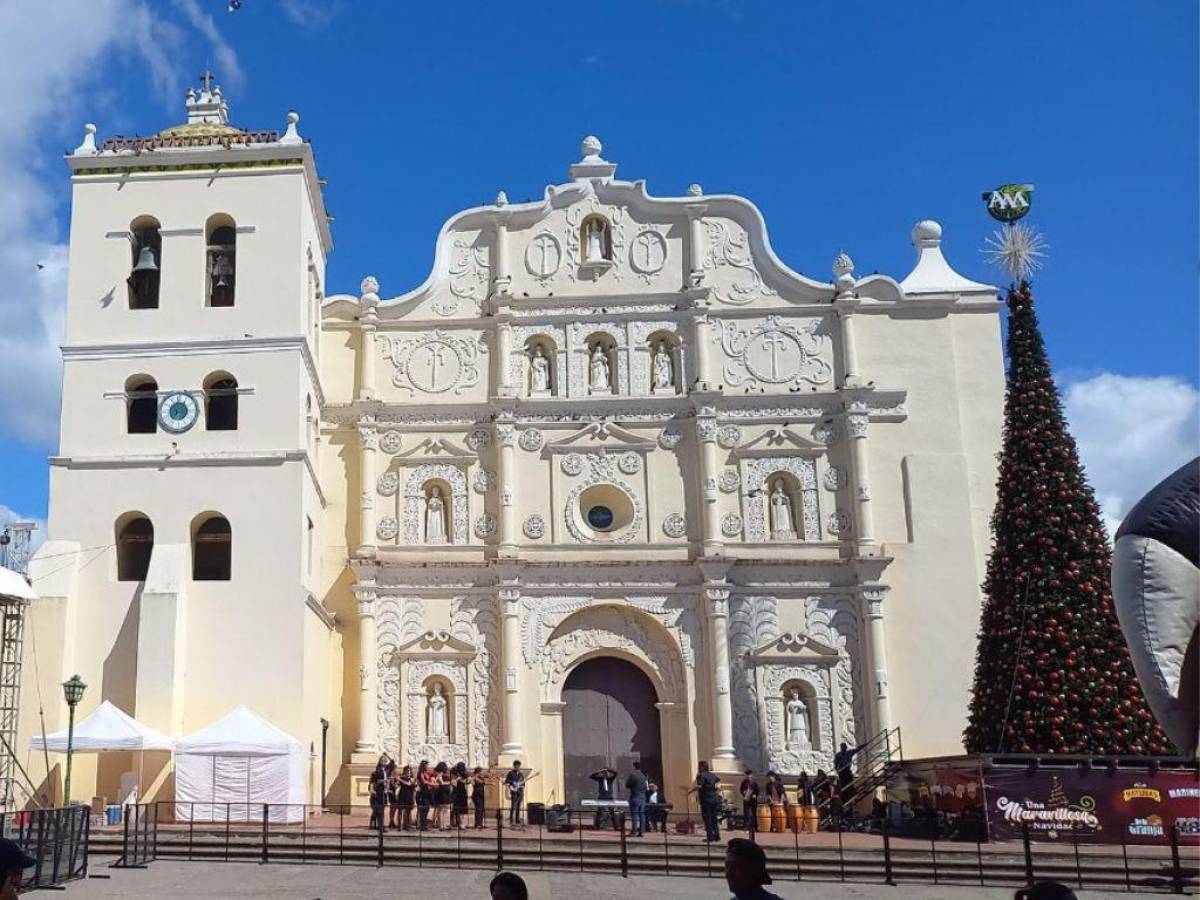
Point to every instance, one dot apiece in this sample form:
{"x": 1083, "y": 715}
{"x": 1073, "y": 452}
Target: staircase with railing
{"x": 874, "y": 764}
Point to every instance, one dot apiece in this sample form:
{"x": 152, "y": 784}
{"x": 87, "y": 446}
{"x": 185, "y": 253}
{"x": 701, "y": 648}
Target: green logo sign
{"x": 1009, "y": 202}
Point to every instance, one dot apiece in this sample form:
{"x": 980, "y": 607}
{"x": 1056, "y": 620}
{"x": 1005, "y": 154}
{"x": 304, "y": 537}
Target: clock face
{"x": 177, "y": 412}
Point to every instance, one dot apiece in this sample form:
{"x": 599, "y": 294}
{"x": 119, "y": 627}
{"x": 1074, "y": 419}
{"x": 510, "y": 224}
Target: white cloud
{"x": 57, "y": 61}
{"x": 1132, "y": 432}
{"x": 227, "y": 62}
{"x": 310, "y": 14}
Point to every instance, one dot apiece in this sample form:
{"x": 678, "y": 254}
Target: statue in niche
{"x": 435, "y": 517}
{"x": 539, "y": 371}
{"x": 782, "y": 528}
{"x": 601, "y": 378}
{"x": 662, "y": 369}
{"x": 595, "y": 241}
{"x": 436, "y": 729}
{"x": 797, "y": 722}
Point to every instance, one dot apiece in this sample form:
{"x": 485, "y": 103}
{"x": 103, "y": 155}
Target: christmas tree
{"x": 1052, "y": 671}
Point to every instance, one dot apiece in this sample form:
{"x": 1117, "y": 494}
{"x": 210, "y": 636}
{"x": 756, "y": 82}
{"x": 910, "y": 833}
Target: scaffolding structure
{"x": 15, "y": 547}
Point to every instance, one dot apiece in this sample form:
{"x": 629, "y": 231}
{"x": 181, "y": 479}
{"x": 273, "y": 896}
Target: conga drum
{"x": 763, "y": 822}
{"x": 778, "y": 818}
{"x": 812, "y": 819}
{"x": 795, "y": 817}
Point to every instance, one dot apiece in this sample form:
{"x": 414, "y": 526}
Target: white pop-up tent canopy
{"x": 13, "y": 586}
{"x": 228, "y": 770}
{"x": 105, "y": 728}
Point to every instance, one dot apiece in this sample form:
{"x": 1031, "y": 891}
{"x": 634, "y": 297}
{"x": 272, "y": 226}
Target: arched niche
{"x": 783, "y": 507}
{"x": 802, "y": 690}
{"x": 452, "y": 484}
{"x": 145, "y": 267}
{"x": 664, "y": 367}
{"x": 541, "y": 366}
{"x": 220, "y": 232}
{"x": 435, "y": 686}
{"x": 141, "y": 404}
{"x": 134, "y": 538}
{"x": 600, "y": 365}
{"x": 596, "y": 240}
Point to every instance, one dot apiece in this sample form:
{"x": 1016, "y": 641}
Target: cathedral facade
{"x": 614, "y": 483}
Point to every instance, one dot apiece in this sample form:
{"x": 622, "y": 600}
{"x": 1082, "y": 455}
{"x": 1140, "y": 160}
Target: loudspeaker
{"x": 537, "y": 813}
{"x": 558, "y": 819}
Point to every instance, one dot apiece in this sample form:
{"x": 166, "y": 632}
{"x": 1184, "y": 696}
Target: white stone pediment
{"x": 435, "y": 645}
{"x": 436, "y": 449}
{"x": 600, "y": 436}
{"x": 795, "y": 647}
{"x": 778, "y": 441}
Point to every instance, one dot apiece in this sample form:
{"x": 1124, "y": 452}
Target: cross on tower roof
{"x": 207, "y": 77}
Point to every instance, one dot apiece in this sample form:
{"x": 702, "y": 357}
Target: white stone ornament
{"x": 728, "y": 480}
{"x": 825, "y": 433}
{"x": 531, "y": 439}
{"x": 648, "y": 252}
{"x": 485, "y": 526}
{"x": 838, "y": 522}
{"x": 478, "y": 439}
{"x": 834, "y": 478}
{"x": 543, "y": 256}
{"x": 391, "y": 441}
{"x": 670, "y": 437}
{"x": 731, "y": 525}
{"x": 483, "y": 481}
{"x": 729, "y": 436}
{"x": 629, "y": 462}
{"x": 534, "y": 527}
{"x": 674, "y": 525}
{"x": 572, "y": 464}
{"x": 387, "y": 529}
{"x": 435, "y": 362}
{"x": 388, "y": 484}
{"x": 776, "y": 352}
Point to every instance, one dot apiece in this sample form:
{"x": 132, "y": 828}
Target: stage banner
{"x": 1093, "y": 806}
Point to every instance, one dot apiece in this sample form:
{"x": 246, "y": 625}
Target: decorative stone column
{"x": 706, "y": 437}
{"x": 851, "y": 377}
{"x": 856, "y": 430}
{"x": 510, "y": 658}
{"x": 716, "y": 595}
{"x": 504, "y": 350}
{"x": 506, "y": 438}
{"x": 368, "y": 711}
{"x": 501, "y": 277}
{"x": 696, "y": 213}
{"x": 367, "y": 324}
{"x": 872, "y": 611}
{"x": 368, "y": 443}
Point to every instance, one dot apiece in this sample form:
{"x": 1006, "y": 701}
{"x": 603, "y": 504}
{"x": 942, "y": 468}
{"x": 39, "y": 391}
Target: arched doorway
{"x": 609, "y": 718}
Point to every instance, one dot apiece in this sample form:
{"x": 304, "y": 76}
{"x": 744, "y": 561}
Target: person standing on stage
{"x": 604, "y": 778}
{"x": 406, "y": 791}
{"x": 424, "y": 794}
{"x": 749, "y": 791}
{"x": 441, "y": 797}
{"x": 843, "y": 760}
{"x": 378, "y": 793}
{"x": 393, "y": 798}
{"x": 478, "y": 795}
{"x": 515, "y": 780}
{"x": 635, "y": 793}
{"x": 707, "y": 784}
{"x": 777, "y": 797}
{"x": 459, "y": 797}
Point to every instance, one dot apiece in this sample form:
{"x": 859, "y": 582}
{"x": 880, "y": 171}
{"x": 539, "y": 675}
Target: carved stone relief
{"x": 754, "y": 490}
{"x": 468, "y": 277}
{"x": 398, "y": 621}
{"x": 733, "y": 277}
{"x": 415, "y": 479}
{"x": 474, "y": 619}
{"x": 674, "y": 525}
{"x": 435, "y": 362}
{"x": 775, "y": 352}
{"x": 602, "y": 468}
{"x": 534, "y": 527}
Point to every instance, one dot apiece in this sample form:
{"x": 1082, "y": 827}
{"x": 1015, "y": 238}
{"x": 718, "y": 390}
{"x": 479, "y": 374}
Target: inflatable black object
{"x": 1156, "y": 587}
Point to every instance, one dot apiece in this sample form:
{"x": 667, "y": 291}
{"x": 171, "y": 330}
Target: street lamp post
{"x": 73, "y": 689}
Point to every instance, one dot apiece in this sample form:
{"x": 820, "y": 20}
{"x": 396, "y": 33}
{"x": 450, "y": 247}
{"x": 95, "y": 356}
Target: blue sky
{"x": 844, "y": 121}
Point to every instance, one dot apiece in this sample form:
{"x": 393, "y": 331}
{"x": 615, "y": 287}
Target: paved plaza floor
{"x": 195, "y": 880}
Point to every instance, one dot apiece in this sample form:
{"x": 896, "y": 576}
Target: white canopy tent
{"x": 109, "y": 729}
{"x": 105, "y": 728}
{"x": 230, "y": 769}
{"x": 13, "y": 586}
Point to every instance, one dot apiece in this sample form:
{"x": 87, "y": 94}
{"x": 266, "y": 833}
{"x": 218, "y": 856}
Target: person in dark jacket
{"x": 708, "y": 792}
{"x": 656, "y": 808}
{"x": 749, "y": 791}
{"x": 605, "y": 779}
{"x": 635, "y": 793}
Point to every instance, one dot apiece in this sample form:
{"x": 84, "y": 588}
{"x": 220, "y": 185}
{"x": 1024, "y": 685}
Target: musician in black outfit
{"x": 749, "y": 791}
{"x": 478, "y": 795}
{"x": 656, "y": 808}
{"x": 458, "y": 810}
{"x": 605, "y": 779}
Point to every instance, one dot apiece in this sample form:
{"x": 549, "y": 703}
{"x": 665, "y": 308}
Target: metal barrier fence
{"x": 56, "y": 838}
{"x": 340, "y": 835}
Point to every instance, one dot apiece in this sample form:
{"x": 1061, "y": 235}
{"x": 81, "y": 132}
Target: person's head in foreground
{"x": 1045, "y": 890}
{"x": 746, "y": 868}
{"x": 508, "y": 886}
{"x": 13, "y": 863}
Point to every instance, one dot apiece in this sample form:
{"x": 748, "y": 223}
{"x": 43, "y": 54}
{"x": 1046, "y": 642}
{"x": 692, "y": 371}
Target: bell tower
{"x": 185, "y": 491}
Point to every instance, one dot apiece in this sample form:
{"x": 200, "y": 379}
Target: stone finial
{"x": 592, "y": 165}
{"x": 370, "y": 291}
{"x": 927, "y": 233}
{"x": 932, "y": 274}
{"x": 501, "y": 198}
{"x": 88, "y": 145}
{"x": 843, "y": 273}
{"x": 292, "y": 136}
{"x": 694, "y": 190}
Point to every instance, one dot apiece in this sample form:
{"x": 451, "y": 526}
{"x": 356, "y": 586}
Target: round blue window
{"x": 600, "y": 518}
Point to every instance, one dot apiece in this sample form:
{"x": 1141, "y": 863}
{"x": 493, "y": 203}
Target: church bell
{"x": 145, "y": 263}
